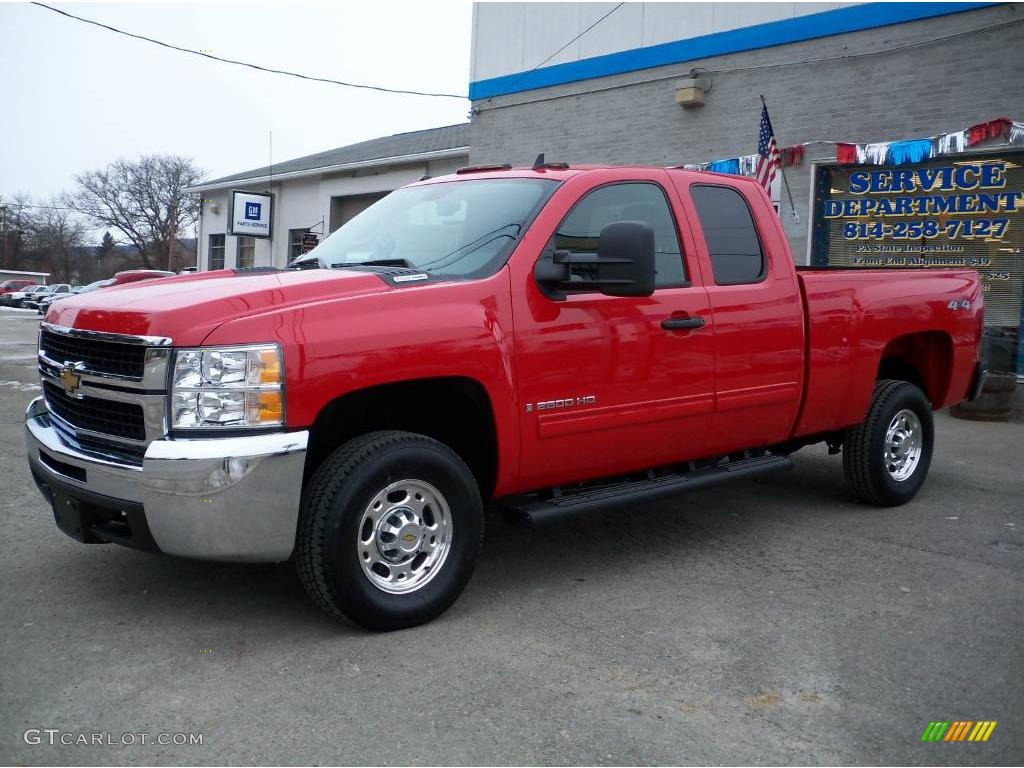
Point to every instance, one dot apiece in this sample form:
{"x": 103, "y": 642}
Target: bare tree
{"x": 55, "y": 239}
{"x": 12, "y": 229}
{"x": 144, "y": 200}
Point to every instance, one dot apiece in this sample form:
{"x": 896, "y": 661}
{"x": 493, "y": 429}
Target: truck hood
{"x": 187, "y": 308}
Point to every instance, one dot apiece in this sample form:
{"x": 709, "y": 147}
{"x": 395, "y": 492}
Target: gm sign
{"x": 250, "y": 213}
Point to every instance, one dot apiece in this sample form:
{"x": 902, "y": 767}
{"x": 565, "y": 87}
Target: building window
{"x": 730, "y": 234}
{"x": 631, "y": 201}
{"x": 216, "y": 260}
{"x": 295, "y": 242}
{"x": 246, "y": 252}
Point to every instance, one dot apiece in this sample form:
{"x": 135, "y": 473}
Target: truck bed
{"x": 850, "y": 313}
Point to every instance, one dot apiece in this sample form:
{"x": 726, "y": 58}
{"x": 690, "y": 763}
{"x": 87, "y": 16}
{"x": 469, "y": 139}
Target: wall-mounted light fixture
{"x": 690, "y": 92}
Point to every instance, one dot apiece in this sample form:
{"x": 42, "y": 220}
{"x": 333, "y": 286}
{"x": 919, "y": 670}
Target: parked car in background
{"x": 10, "y": 286}
{"x": 119, "y": 278}
{"x": 57, "y": 289}
{"x": 43, "y": 302}
{"x": 15, "y": 298}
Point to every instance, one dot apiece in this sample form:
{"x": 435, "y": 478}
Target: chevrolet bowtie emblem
{"x": 69, "y": 379}
{"x": 408, "y": 537}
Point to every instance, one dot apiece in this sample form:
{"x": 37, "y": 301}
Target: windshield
{"x": 454, "y": 229}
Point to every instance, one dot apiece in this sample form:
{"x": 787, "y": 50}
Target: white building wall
{"x": 297, "y": 206}
{"x": 516, "y": 37}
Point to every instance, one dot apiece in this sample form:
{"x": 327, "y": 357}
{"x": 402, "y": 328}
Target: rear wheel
{"x": 389, "y": 531}
{"x": 886, "y": 458}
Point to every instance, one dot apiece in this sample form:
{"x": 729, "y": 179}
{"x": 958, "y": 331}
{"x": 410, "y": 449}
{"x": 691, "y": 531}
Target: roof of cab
{"x": 567, "y": 172}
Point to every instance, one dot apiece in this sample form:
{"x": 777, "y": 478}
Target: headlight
{"x": 227, "y": 387}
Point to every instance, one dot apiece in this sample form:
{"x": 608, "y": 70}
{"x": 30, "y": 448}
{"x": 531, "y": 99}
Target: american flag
{"x": 767, "y": 153}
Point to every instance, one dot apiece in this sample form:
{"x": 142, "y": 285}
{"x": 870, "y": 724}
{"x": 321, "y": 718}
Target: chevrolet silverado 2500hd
{"x": 555, "y": 339}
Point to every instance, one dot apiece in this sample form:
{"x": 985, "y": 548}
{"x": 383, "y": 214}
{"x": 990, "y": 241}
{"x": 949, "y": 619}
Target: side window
{"x": 729, "y": 231}
{"x": 246, "y": 252}
{"x": 631, "y": 201}
{"x": 296, "y": 243}
{"x": 216, "y": 258}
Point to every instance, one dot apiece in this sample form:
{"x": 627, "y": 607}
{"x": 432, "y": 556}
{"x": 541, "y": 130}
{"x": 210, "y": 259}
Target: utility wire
{"x": 549, "y": 58}
{"x": 247, "y": 64}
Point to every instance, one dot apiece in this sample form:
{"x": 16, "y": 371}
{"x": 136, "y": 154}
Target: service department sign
{"x": 950, "y": 212}
{"x": 251, "y": 213}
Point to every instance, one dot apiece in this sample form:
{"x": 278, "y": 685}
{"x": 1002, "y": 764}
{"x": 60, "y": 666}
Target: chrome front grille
{"x": 111, "y": 449}
{"x": 108, "y": 417}
{"x": 106, "y": 393}
{"x": 108, "y": 358}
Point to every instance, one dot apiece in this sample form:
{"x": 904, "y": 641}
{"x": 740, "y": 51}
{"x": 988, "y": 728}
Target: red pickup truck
{"x": 553, "y": 340}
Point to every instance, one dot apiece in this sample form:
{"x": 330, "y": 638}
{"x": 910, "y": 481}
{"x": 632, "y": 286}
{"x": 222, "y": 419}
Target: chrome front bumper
{"x": 227, "y": 498}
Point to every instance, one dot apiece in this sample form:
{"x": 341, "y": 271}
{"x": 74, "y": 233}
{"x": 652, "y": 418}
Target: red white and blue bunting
{"x": 885, "y": 152}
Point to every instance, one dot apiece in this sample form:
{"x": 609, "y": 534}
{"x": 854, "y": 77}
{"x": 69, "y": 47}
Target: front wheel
{"x": 886, "y": 457}
{"x": 389, "y": 530}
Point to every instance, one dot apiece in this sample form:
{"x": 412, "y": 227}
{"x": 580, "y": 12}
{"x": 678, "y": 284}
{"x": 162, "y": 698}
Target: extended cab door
{"x": 606, "y": 385}
{"x": 757, "y": 311}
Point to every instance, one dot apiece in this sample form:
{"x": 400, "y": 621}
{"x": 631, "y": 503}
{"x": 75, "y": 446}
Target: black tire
{"x": 330, "y": 518}
{"x": 864, "y": 462}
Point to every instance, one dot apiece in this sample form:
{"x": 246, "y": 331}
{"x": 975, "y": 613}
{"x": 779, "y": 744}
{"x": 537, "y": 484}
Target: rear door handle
{"x": 682, "y": 323}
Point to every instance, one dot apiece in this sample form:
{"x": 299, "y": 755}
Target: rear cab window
{"x": 734, "y": 246}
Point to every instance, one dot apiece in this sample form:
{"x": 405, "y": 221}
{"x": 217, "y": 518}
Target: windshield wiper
{"x": 468, "y": 248}
{"x": 376, "y": 263}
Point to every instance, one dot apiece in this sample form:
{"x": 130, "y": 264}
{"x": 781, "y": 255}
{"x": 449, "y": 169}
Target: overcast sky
{"x": 76, "y": 97}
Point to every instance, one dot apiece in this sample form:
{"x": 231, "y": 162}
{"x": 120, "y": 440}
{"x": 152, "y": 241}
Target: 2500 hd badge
{"x": 565, "y": 402}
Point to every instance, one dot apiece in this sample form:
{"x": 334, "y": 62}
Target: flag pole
{"x": 782, "y": 170}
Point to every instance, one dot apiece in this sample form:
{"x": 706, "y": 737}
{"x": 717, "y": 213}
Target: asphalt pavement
{"x": 773, "y": 622}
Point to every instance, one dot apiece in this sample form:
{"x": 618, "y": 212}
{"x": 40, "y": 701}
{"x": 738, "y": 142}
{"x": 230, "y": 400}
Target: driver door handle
{"x": 682, "y": 323}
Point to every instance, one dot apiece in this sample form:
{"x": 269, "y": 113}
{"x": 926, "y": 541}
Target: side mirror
{"x": 622, "y": 266}
{"x": 625, "y": 259}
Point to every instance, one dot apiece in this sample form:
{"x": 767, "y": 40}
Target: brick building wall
{"x": 904, "y": 81}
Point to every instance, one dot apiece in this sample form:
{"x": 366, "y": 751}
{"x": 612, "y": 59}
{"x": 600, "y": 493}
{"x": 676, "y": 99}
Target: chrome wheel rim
{"x": 903, "y": 441}
{"x": 404, "y": 537}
